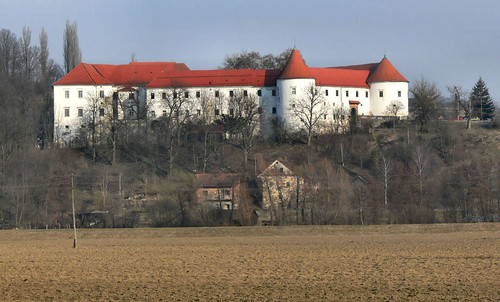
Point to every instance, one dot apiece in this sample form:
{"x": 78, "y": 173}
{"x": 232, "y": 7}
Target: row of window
{"x": 198, "y": 94}
{"x": 231, "y": 93}
{"x": 80, "y": 94}
{"x": 80, "y": 112}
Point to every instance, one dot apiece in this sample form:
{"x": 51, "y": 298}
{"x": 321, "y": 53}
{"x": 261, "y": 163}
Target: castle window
{"x": 217, "y": 112}
{"x": 324, "y": 116}
{"x": 80, "y": 112}
{"x": 259, "y": 92}
{"x": 381, "y": 93}
{"x": 231, "y": 111}
{"x": 164, "y": 112}
{"x": 399, "y": 93}
{"x": 101, "y": 93}
{"x": 273, "y": 93}
{"x": 101, "y": 111}
{"x": 66, "y": 94}
{"x": 231, "y": 93}
{"x": 198, "y": 94}
{"x": 175, "y": 94}
{"x": 66, "y": 111}
{"x": 216, "y": 93}
{"x": 164, "y": 95}
{"x": 294, "y": 90}
{"x": 326, "y": 92}
{"x": 337, "y": 92}
{"x": 347, "y": 93}
{"x": 152, "y": 95}
{"x": 131, "y": 95}
{"x": 245, "y": 93}
{"x": 186, "y": 94}
{"x": 153, "y": 114}
{"x": 366, "y": 94}
{"x": 259, "y": 110}
{"x": 274, "y": 110}
{"x": 198, "y": 112}
{"x": 357, "y": 93}
{"x": 80, "y": 94}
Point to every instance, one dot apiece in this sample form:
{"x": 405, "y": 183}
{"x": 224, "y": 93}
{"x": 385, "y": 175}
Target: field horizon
{"x": 293, "y": 263}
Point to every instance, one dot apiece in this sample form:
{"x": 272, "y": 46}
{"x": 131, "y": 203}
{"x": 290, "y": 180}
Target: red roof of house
{"x": 340, "y": 77}
{"x": 133, "y": 74}
{"x": 296, "y": 68}
{"x": 170, "y": 74}
{"x": 220, "y": 77}
{"x": 385, "y": 72}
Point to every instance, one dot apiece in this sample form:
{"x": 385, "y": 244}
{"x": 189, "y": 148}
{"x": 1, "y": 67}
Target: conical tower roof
{"x": 296, "y": 68}
{"x": 385, "y": 72}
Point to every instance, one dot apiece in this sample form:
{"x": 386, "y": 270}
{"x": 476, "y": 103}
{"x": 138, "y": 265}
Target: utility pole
{"x": 73, "y": 203}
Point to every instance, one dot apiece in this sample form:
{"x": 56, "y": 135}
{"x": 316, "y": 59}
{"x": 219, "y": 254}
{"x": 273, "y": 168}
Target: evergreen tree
{"x": 482, "y": 104}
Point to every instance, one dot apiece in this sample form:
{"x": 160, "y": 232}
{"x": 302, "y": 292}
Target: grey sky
{"x": 450, "y": 42}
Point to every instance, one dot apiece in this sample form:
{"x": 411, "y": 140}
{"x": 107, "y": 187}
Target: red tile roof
{"x": 133, "y": 74}
{"x": 169, "y": 74}
{"x": 340, "y": 77}
{"x": 213, "y": 78}
{"x": 296, "y": 68}
{"x": 385, "y": 72}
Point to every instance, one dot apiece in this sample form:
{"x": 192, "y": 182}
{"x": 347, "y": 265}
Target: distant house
{"x": 218, "y": 190}
{"x": 280, "y": 186}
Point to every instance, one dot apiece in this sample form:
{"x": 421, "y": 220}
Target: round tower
{"x": 292, "y": 83}
{"x": 387, "y": 86}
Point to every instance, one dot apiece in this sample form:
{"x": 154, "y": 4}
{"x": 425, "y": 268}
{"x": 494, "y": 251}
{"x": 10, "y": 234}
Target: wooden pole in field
{"x": 73, "y": 203}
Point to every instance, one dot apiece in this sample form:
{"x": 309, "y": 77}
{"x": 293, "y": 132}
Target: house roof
{"x": 277, "y": 168}
{"x": 134, "y": 74}
{"x": 385, "y": 72}
{"x": 213, "y": 78}
{"x": 296, "y": 68}
{"x": 171, "y": 74}
{"x": 217, "y": 180}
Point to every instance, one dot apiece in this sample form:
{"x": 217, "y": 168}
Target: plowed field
{"x": 458, "y": 262}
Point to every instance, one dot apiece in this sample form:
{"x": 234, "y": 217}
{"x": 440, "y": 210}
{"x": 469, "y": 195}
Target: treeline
{"x": 428, "y": 169}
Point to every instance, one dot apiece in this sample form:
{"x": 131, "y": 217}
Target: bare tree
{"x": 242, "y": 124}
{"x": 386, "y": 167}
{"x": 340, "y": 119}
{"x": 309, "y": 110}
{"x": 44, "y": 54}
{"x": 394, "y": 108}
{"x": 420, "y": 158}
{"x": 459, "y": 97}
{"x": 426, "y": 96}
{"x": 71, "y": 47}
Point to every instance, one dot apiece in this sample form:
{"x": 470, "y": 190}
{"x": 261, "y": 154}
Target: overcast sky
{"x": 449, "y": 42}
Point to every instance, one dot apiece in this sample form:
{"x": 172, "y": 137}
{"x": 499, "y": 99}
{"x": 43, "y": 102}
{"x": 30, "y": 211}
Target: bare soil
{"x": 458, "y": 262}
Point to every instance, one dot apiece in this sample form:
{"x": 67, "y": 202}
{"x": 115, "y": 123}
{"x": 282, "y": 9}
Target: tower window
{"x": 399, "y": 93}
{"x": 381, "y": 93}
{"x": 259, "y": 92}
{"x": 273, "y": 93}
{"x": 326, "y": 92}
{"x": 294, "y": 90}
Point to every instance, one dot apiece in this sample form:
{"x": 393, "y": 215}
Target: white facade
{"x": 71, "y": 102}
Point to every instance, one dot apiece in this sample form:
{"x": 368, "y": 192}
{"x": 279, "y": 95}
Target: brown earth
{"x": 378, "y": 263}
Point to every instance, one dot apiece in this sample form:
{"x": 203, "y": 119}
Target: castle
{"x": 139, "y": 90}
